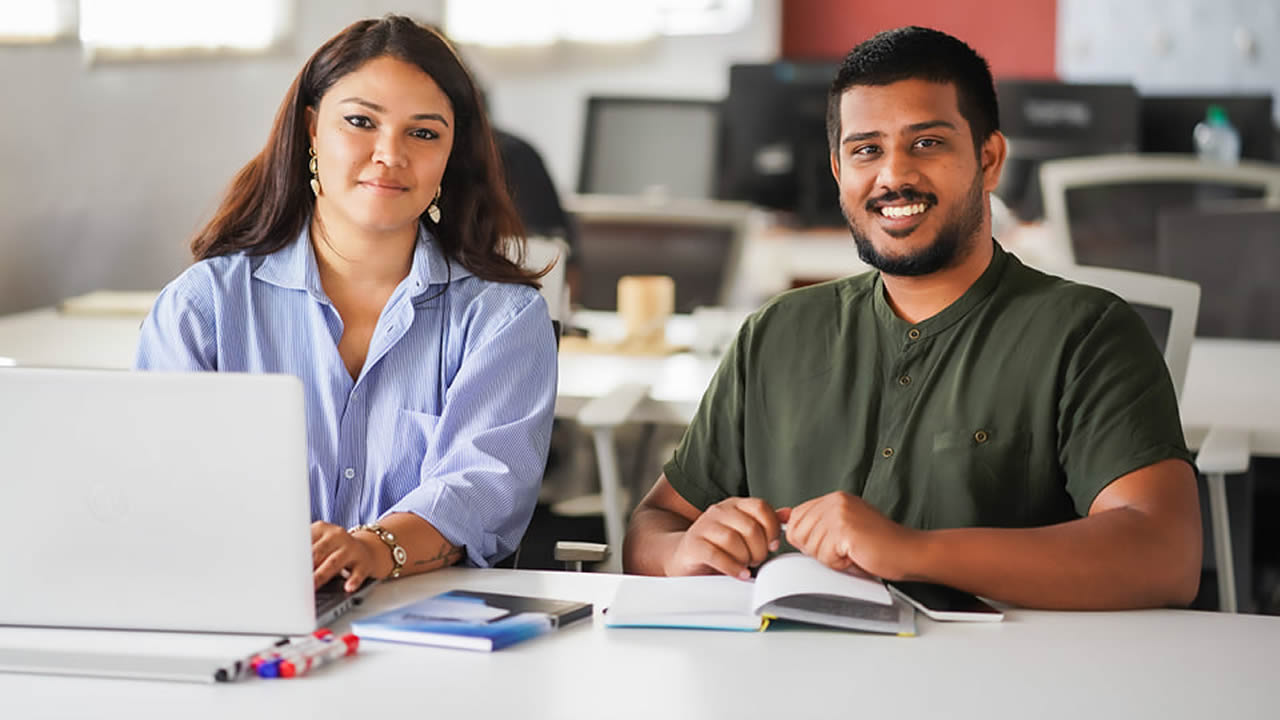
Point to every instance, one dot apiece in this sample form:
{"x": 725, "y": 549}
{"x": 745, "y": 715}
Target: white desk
{"x": 1162, "y": 663}
{"x": 1234, "y": 384}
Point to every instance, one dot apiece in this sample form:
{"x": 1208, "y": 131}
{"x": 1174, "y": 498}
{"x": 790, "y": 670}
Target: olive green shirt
{"x": 1013, "y": 407}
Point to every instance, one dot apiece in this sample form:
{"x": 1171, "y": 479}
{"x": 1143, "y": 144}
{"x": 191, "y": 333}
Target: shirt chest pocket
{"x": 978, "y": 477}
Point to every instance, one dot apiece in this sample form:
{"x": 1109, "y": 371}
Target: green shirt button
{"x": 980, "y": 436}
{"x": 913, "y": 333}
{"x": 887, "y": 452}
{"x": 905, "y": 380}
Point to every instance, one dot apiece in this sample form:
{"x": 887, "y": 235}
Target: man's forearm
{"x": 1109, "y": 560}
{"x": 651, "y": 538}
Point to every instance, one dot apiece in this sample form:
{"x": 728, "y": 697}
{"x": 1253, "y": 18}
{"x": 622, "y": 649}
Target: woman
{"x": 365, "y": 250}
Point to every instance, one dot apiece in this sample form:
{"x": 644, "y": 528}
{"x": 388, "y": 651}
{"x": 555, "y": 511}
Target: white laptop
{"x": 156, "y": 501}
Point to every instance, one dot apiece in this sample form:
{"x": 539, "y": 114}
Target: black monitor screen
{"x": 666, "y": 146}
{"x": 775, "y": 140}
{"x": 1046, "y": 120}
{"x": 1168, "y": 122}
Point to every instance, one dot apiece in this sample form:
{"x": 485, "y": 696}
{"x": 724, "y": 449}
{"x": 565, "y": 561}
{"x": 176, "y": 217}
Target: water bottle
{"x": 1217, "y": 141}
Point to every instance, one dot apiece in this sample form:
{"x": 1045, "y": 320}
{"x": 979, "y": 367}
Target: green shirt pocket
{"x": 978, "y": 478}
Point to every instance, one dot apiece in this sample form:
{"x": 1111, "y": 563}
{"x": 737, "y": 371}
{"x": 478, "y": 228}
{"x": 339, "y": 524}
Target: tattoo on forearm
{"x": 445, "y": 555}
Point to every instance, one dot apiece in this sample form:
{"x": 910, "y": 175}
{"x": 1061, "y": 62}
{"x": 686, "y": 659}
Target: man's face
{"x": 911, "y": 184}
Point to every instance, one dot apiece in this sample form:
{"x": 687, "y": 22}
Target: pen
{"x": 307, "y": 660}
{"x": 242, "y": 668}
{"x": 305, "y": 655}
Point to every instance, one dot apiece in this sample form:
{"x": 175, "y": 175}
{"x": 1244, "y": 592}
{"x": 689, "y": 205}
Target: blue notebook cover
{"x": 471, "y": 620}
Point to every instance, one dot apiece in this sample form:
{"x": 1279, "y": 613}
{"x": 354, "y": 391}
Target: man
{"x": 955, "y": 417}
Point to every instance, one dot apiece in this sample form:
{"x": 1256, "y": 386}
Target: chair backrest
{"x": 1233, "y": 252}
{"x": 1167, "y": 305}
{"x": 696, "y": 242}
{"x": 540, "y": 252}
{"x": 1101, "y": 209}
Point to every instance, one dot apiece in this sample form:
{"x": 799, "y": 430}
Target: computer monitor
{"x": 1046, "y": 120}
{"x": 648, "y": 145}
{"x": 1168, "y": 122}
{"x": 775, "y": 140}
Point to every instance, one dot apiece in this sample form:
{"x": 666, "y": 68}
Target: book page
{"x": 797, "y": 574}
{"x": 710, "y": 601}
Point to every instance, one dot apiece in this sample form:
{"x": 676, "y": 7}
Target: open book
{"x": 790, "y": 586}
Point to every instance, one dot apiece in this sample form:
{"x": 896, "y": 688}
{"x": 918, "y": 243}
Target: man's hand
{"x": 731, "y": 537}
{"x": 841, "y": 530}
{"x": 357, "y": 556}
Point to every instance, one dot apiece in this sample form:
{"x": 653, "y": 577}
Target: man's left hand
{"x": 842, "y": 530}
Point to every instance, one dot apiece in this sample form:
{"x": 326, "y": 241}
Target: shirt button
{"x": 349, "y": 473}
{"x": 913, "y": 333}
{"x": 980, "y": 436}
{"x": 887, "y": 452}
{"x": 905, "y": 380}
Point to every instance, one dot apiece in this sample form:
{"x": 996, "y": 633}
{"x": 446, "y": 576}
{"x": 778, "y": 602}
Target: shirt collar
{"x": 950, "y": 315}
{"x": 294, "y": 265}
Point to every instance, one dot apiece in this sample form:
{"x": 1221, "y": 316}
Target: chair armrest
{"x": 573, "y": 554}
{"x": 1224, "y": 451}
{"x": 613, "y": 409}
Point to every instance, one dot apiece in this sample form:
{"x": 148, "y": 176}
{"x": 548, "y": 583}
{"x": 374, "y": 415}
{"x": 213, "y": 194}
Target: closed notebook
{"x": 471, "y": 620}
{"x": 790, "y": 587}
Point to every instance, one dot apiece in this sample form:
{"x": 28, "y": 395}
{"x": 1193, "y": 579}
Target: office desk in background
{"x": 1157, "y": 663}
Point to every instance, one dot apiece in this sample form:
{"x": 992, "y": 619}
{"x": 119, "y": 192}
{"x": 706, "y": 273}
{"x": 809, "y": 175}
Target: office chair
{"x": 1232, "y": 250}
{"x": 1101, "y": 210}
{"x": 1169, "y": 307}
{"x": 539, "y": 253}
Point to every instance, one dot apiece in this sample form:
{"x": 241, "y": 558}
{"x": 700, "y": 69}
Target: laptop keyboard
{"x": 332, "y": 594}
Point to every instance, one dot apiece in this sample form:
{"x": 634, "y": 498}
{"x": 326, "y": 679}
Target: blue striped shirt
{"x": 450, "y": 417}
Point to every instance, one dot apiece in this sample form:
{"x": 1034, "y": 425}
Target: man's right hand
{"x": 730, "y": 537}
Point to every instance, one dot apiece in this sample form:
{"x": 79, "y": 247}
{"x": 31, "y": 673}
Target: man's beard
{"x": 952, "y": 244}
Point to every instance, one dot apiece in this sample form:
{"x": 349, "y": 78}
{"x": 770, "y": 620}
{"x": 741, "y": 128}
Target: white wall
{"x": 108, "y": 170}
{"x": 1214, "y": 46}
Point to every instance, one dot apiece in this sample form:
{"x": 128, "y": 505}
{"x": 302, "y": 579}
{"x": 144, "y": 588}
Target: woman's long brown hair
{"x": 270, "y": 199}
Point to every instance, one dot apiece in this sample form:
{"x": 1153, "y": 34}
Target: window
{"x": 519, "y": 23}
{"x": 140, "y": 28}
{"x": 37, "y": 21}
{"x": 134, "y": 28}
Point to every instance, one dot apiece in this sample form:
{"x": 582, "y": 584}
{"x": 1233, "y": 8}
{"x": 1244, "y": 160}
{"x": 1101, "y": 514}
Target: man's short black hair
{"x": 921, "y": 53}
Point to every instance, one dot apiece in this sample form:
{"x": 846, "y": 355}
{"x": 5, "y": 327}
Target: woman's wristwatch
{"x": 398, "y": 554}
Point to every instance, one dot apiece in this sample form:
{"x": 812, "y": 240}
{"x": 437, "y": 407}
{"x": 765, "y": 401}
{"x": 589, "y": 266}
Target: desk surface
{"x": 1162, "y": 663}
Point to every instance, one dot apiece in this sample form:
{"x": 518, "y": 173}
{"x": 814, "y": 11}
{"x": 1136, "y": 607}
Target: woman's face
{"x": 382, "y": 136}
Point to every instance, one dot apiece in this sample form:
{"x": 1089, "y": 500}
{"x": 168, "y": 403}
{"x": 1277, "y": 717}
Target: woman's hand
{"x": 357, "y": 556}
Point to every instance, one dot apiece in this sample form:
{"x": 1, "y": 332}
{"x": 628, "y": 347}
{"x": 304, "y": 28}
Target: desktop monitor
{"x": 641, "y": 146}
{"x": 1168, "y": 122}
{"x": 1046, "y": 120}
{"x": 775, "y": 140}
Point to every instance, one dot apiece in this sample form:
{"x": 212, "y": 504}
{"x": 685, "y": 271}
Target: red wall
{"x": 1015, "y": 36}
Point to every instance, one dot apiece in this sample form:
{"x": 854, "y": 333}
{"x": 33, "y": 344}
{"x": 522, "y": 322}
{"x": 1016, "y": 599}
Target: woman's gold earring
{"x": 433, "y": 210}
{"x": 315, "y": 178}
